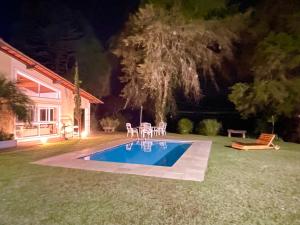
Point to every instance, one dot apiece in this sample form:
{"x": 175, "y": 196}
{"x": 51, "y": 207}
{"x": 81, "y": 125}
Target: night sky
{"x": 107, "y": 17}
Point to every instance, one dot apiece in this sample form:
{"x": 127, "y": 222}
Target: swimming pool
{"x": 146, "y": 152}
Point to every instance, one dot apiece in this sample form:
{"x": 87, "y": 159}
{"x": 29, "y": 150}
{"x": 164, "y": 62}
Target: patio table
{"x": 144, "y": 130}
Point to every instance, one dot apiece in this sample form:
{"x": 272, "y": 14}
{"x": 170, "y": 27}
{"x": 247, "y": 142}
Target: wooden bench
{"x": 109, "y": 129}
{"x": 243, "y": 132}
{"x": 264, "y": 141}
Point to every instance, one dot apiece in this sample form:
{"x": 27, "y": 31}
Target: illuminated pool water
{"x": 148, "y": 152}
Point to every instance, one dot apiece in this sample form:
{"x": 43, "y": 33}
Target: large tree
{"x": 190, "y": 8}
{"x": 162, "y": 52}
{"x": 274, "y": 90}
{"x": 77, "y": 99}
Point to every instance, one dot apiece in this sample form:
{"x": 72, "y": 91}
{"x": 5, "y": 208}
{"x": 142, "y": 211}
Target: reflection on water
{"x": 129, "y": 146}
{"x": 147, "y": 152}
{"x": 146, "y": 145}
{"x": 162, "y": 145}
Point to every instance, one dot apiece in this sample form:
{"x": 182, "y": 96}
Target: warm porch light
{"x": 84, "y": 134}
{"x": 44, "y": 140}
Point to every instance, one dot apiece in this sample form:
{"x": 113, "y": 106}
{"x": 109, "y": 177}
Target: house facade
{"x": 52, "y": 112}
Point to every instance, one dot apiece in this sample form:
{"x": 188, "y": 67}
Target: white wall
{"x": 5, "y": 65}
{"x": 10, "y": 67}
{"x": 7, "y": 120}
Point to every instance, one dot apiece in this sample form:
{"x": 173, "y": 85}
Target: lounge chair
{"x": 131, "y": 131}
{"x": 265, "y": 141}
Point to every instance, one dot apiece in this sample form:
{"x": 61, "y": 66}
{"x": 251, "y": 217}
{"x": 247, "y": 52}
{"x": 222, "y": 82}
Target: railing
{"x": 24, "y": 130}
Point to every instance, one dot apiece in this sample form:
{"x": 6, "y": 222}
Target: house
{"x": 52, "y": 114}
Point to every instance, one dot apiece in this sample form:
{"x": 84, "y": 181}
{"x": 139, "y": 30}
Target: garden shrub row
{"x": 209, "y": 127}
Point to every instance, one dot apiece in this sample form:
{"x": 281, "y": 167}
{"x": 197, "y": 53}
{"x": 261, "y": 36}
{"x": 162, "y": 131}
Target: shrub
{"x": 109, "y": 122}
{"x": 209, "y": 127}
{"x": 5, "y": 136}
{"x": 185, "y": 126}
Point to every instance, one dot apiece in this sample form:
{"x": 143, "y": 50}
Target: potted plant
{"x": 7, "y": 140}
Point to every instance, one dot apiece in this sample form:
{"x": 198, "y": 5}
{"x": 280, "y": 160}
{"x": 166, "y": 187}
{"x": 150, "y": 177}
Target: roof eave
{"x": 29, "y": 62}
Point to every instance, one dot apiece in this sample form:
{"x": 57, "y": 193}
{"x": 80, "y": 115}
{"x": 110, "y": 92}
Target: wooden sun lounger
{"x": 265, "y": 141}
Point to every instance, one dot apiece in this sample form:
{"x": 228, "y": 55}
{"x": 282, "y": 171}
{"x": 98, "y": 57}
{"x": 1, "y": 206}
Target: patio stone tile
{"x": 191, "y": 166}
{"x": 156, "y": 173}
{"x": 173, "y": 175}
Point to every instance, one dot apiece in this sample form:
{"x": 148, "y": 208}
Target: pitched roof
{"x": 32, "y": 64}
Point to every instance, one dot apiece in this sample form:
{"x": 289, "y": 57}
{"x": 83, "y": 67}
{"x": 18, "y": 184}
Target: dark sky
{"x": 106, "y": 16}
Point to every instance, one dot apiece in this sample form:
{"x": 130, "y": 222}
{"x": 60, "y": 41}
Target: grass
{"x": 254, "y": 187}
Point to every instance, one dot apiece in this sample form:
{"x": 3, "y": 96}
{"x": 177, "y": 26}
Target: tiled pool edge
{"x": 191, "y": 166}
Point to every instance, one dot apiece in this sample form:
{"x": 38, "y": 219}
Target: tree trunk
{"x": 6, "y": 118}
{"x": 273, "y": 124}
{"x": 162, "y": 105}
{"x": 79, "y": 127}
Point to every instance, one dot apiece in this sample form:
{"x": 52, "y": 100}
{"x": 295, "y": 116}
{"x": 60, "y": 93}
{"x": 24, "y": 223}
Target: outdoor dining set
{"x": 146, "y": 130}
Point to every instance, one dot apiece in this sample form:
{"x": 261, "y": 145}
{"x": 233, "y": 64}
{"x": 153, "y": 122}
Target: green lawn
{"x": 254, "y": 187}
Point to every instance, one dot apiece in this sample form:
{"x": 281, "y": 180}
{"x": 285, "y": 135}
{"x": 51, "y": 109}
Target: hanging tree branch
{"x": 161, "y": 52}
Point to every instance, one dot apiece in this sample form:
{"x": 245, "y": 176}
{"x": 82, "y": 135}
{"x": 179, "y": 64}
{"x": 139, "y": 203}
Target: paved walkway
{"x": 190, "y": 166}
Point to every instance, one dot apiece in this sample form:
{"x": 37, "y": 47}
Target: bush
{"x": 5, "y": 136}
{"x": 209, "y": 127}
{"x": 185, "y": 126}
{"x": 109, "y": 122}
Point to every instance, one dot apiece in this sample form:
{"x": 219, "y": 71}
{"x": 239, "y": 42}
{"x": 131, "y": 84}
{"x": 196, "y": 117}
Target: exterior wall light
{"x": 44, "y": 140}
{"x": 84, "y": 134}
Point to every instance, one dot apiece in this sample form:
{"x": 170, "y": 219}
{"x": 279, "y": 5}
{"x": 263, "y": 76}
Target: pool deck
{"x": 190, "y": 166}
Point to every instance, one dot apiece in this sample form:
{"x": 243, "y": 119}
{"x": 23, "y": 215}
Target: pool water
{"x": 158, "y": 153}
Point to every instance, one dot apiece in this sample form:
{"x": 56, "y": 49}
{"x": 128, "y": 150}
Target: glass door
{"x": 44, "y": 121}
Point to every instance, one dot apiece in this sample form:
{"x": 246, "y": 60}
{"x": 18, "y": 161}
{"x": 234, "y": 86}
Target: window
{"x": 51, "y": 114}
{"x": 35, "y": 88}
{"x": 44, "y": 121}
{"x": 43, "y": 115}
{"x": 31, "y": 114}
{"x": 47, "y": 114}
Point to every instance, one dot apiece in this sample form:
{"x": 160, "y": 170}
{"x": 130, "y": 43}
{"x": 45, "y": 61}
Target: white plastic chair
{"x": 146, "y": 129}
{"x": 161, "y": 129}
{"x": 131, "y": 130}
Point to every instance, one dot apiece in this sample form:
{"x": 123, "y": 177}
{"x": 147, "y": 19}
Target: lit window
{"x": 51, "y": 114}
{"x": 48, "y": 114}
{"x": 31, "y": 115}
{"x": 34, "y": 88}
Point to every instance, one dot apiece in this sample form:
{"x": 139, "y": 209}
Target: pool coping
{"x": 191, "y": 165}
